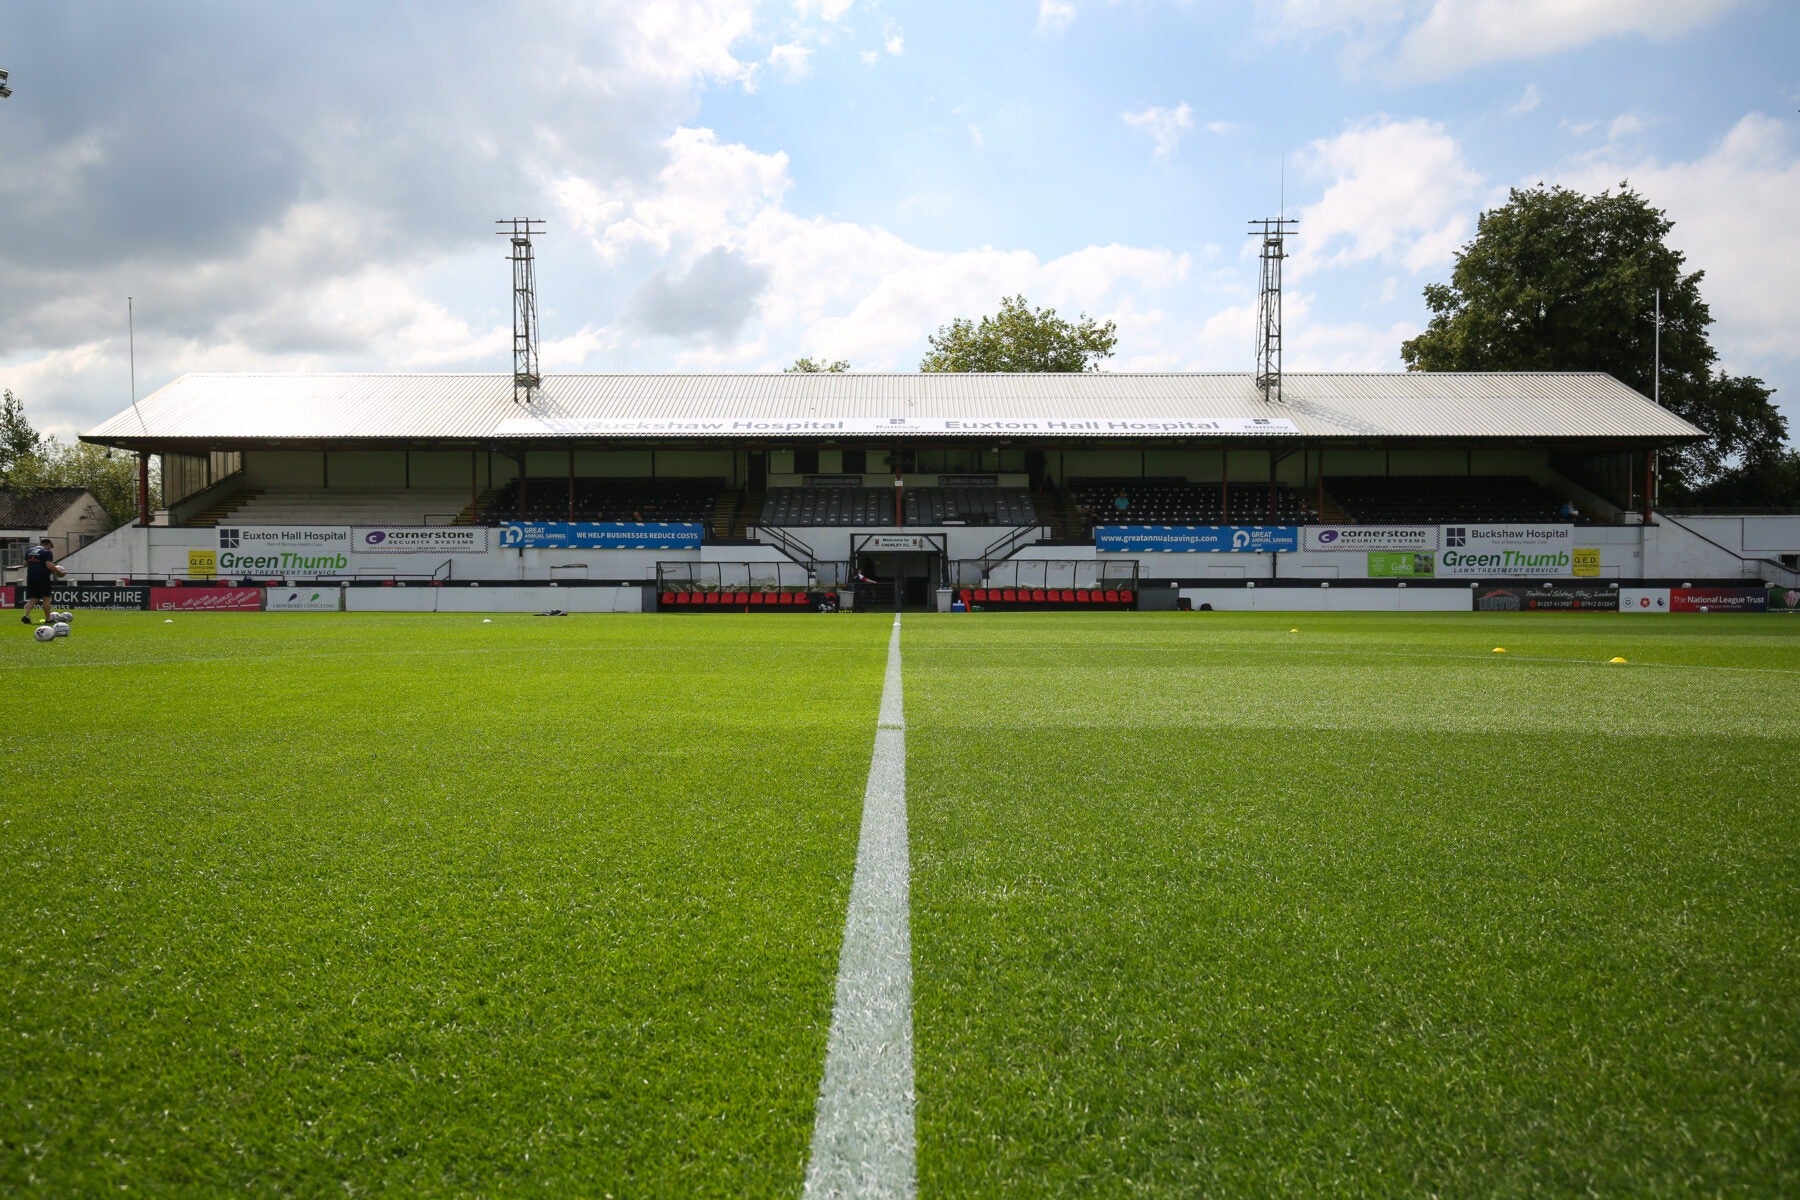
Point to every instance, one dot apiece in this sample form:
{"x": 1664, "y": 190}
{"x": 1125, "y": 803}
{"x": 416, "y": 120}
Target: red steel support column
{"x": 143, "y": 487}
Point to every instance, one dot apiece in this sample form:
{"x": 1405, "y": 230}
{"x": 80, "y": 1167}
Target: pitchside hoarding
{"x": 206, "y": 599}
{"x": 1385, "y": 564}
{"x": 304, "y": 599}
{"x": 1498, "y": 551}
{"x": 287, "y": 550}
{"x": 420, "y": 539}
{"x": 1386, "y": 538}
{"x": 1192, "y": 539}
{"x": 1719, "y": 599}
{"x": 125, "y": 596}
{"x": 601, "y": 535}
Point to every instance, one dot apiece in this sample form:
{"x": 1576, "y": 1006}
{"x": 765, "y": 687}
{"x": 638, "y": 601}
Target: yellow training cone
{"x": 1293, "y": 631}
{"x": 1615, "y": 660}
{"x": 1499, "y": 649}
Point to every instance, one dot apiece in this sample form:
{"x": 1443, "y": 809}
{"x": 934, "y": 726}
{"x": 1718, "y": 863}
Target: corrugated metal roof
{"x": 226, "y": 408}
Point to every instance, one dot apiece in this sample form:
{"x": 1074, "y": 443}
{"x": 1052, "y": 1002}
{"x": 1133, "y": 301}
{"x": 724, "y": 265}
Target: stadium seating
{"x": 1432, "y": 499}
{"x": 350, "y": 506}
{"x": 628, "y": 500}
{"x": 1003, "y": 599}
{"x": 927, "y": 506}
{"x": 1170, "y": 502}
{"x": 815, "y": 506}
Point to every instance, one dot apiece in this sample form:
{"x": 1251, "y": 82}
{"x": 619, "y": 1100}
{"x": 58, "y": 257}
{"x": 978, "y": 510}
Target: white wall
{"x": 1282, "y": 599}
{"x": 493, "y": 599}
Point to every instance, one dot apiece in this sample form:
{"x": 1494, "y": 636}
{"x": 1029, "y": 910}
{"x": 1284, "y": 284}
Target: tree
{"x": 808, "y": 366}
{"x": 111, "y": 475}
{"x": 17, "y": 438}
{"x": 1019, "y": 338}
{"x": 1559, "y": 281}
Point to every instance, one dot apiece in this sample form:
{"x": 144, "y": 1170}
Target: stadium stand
{"x": 828, "y": 506}
{"x": 1174, "y": 502}
{"x": 340, "y": 506}
{"x": 553, "y": 499}
{"x": 969, "y": 506}
{"x": 1428, "y": 499}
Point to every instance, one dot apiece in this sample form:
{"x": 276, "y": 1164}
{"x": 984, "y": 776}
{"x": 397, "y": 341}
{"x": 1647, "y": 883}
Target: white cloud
{"x": 870, "y": 58}
{"x": 891, "y": 38}
{"x": 1732, "y": 209}
{"x": 1527, "y": 102}
{"x": 1165, "y": 127}
{"x": 1397, "y": 191}
{"x": 827, "y": 10}
{"x": 791, "y": 60}
{"x": 1439, "y": 38}
{"x": 850, "y": 290}
{"x": 1054, "y": 16}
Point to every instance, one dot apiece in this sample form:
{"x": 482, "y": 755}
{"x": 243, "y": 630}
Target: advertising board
{"x": 283, "y": 550}
{"x": 1384, "y": 564}
{"x": 1195, "y": 539}
{"x": 1559, "y": 598}
{"x": 8, "y": 596}
{"x": 203, "y": 564}
{"x": 601, "y": 535}
{"x": 304, "y": 599}
{"x": 1719, "y": 599}
{"x": 1499, "y": 551}
{"x": 206, "y": 599}
{"x": 1391, "y": 538}
{"x": 126, "y": 596}
{"x": 1643, "y": 600}
{"x": 420, "y": 539}
{"x": 1784, "y": 599}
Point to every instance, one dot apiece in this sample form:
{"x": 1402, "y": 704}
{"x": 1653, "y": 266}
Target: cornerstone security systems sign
{"x": 601, "y": 535}
{"x": 1122, "y": 427}
{"x": 1211, "y": 539}
{"x": 1497, "y": 551}
{"x": 1391, "y": 539}
{"x": 284, "y": 550}
{"x": 429, "y": 539}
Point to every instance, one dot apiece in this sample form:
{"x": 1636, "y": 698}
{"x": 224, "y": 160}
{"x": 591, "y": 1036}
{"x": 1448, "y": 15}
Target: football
{"x": 60, "y": 629}
{"x": 44, "y": 633}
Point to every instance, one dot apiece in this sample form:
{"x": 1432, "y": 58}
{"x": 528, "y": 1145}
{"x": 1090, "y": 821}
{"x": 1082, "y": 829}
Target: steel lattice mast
{"x": 525, "y": 321}
{"x": 1273, "y": 231}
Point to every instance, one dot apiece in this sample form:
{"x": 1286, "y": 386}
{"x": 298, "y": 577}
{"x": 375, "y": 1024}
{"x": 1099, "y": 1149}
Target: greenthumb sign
{"x": 1385, "y": 564}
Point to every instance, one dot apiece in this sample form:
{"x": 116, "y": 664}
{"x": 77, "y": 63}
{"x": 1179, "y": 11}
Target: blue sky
{"x": 730, "y": 184}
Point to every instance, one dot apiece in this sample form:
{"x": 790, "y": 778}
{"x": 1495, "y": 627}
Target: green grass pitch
{"x": 416, "y": 905}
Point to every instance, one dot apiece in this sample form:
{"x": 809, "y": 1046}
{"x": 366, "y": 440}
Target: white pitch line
{"x": 863, "y": 1132}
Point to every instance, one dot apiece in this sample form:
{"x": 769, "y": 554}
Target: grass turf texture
{"x": 420, "y": 906}
{"x": 1202, "y": 906}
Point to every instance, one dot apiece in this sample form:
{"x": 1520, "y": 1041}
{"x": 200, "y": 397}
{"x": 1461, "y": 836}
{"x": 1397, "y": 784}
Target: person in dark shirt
{"x": 40, "y": 564}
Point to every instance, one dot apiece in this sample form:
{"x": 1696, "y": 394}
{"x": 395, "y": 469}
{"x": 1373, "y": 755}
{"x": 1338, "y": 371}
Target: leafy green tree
{"x": 809, "y": 366}
{"x": 112, "y": 476}
{"x": 1020, "y": 338}
{"x": 17, "y": 438}
{"x": 1560, "y": 281}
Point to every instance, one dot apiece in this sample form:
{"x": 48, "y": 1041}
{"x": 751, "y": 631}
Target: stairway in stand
{"x": 221, "y": 509}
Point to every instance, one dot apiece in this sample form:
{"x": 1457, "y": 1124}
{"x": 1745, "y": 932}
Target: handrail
{"x": 787, "y": 543}
{"x": 1011, "y": 543}
{"x": 1793, "y": 576}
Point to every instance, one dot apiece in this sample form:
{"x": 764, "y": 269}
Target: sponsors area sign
{"x": 420, "y": 539}
{"x": 1784, "y": 600}
{"x": 206, "y": 599}
{"x": 1497, "y": 551}
{"x": 1388, "y": 564}
{"x": 1191, "y": 539}
{"x": 283, "y": 550}
{"x": 125, "y": 596}
{"x": 1391, "y": 538}
{"x": 304, "y": 599}
{"x": 895, "y": 541}
{"x": 601, "y": 535}
{"x": 1643, "y": 600}
{"x": 1719, "y": 599}
{"x": 1560, "y": 598}
{"x": 724, "y": 427}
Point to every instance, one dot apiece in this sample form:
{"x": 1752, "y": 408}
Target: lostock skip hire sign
{"x": 125, "y": 596}
{"x": 283, "y": 550}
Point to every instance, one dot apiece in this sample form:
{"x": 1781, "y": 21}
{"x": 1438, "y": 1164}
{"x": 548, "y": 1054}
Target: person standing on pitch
{"x": 40, "y": 563}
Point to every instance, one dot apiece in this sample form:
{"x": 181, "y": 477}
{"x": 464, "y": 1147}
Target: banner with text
{"x": 421, "y": 539}
{"x": 1719, "y": 599}
{"x": 1490, "y": 551}
{"x": 1561, "y": 598}
{"x": 1388, "y": 565}
{"x": 125, "y": 596}
{"x": 601, "y": 535}
{"x": 1392, "y": 538}
{"x": 283, "y": 550}
{"x": 1784, "y": 599}
{"x": 1191, "y": 539}
{"x": 206, "y": 599}
{"x": 7, "y": 594}
{"x": 304, "y": 599}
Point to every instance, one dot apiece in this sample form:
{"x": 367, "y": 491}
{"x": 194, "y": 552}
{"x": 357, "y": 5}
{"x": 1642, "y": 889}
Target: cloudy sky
{"x": 729, "y": 184}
